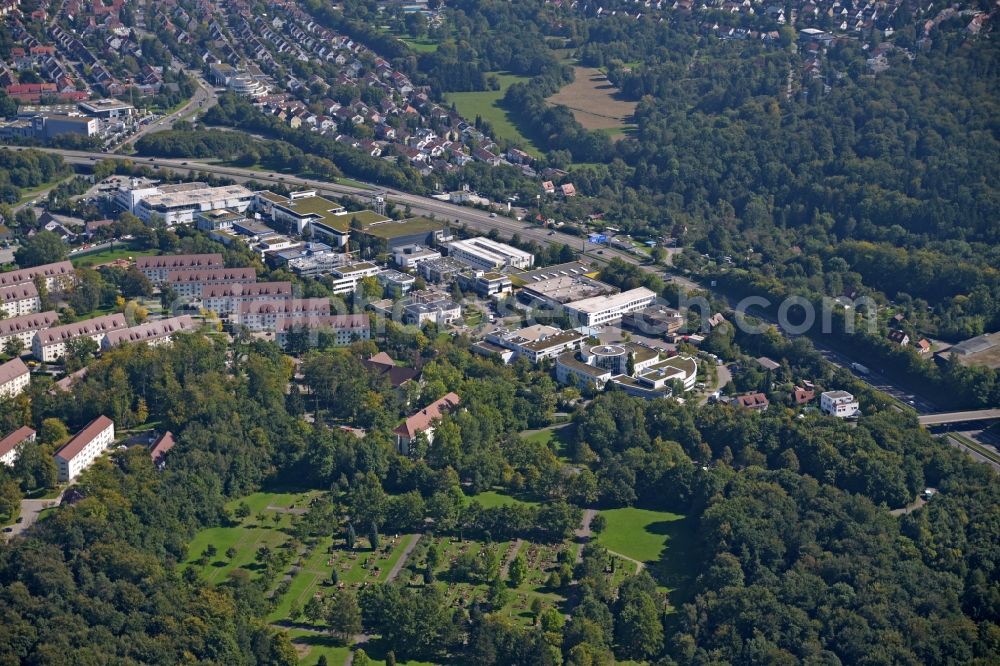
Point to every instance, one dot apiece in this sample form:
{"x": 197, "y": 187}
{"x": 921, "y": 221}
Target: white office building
{"x": 178, "y": 204}
{"x": 841, "y": 404}
{"x": 489, "y": 255}
{"x": 603, "y": 309}
{"x": 81, "y": 451}
{"x": 345, "y": 279}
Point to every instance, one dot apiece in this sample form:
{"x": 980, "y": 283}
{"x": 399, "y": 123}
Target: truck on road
{"x": 860, "y": 369}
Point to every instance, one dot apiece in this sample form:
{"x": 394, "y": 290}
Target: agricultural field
{"x": 596, "y": 103}
{"x": 486, "y": 104}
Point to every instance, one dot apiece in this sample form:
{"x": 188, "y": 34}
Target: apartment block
{"x": 190, "y": 284}
{"x": 264, "y": 316}
{"x": 226, "y": 299}
{"x": 81, "y": 451}
{"x": 9, "y": 444}
{"x": 14, "y": 378}
{"x": 158, "y": 268}
{"x": 24, "y": 328}
{"x": 49, "y": 344}
{"x": 19, "y": 299}
{"x": 152, "y": 333}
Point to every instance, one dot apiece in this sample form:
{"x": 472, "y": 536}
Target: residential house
{"x": 424, "y": 422}
{"x": 754, "y": 401}
{"x": 839, "y": 403}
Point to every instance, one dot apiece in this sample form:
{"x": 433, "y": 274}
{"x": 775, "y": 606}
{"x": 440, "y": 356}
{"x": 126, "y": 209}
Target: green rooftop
{"x": 415, "y": 225}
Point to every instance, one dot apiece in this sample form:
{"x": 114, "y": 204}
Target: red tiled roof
{"x": 161, "y": 446}
{"x": 422, "y": 420}
{"x": 84, "y": 437}
{"x": 8, "y": 443}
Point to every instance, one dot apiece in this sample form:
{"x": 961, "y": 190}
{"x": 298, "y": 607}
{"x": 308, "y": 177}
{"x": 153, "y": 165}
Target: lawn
{"x": 637, "y": 533}
{"x": 486, "y": 104}
{"x": 491, "y": 498}
{"x": 258, "y": 529}
{"x": 108, "y": 255}
{"x": 311, "y": 646}
{"x": 422, "y": 45}
{"x": 663, "y": 540}
{"x": 554, "y": 439}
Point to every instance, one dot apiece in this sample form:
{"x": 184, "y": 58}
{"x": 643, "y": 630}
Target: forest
{"x": 802, "y": 559}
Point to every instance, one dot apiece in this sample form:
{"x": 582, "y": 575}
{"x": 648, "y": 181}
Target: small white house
{"x": 841, "y": 404}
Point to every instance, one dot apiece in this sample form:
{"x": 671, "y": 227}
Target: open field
{"x": 637, "y": 533}
{"x": 554, "y": 438}
{"x": 491, "y": 498}
{"x": 595, "y": 103}
{"x": 422, "y": 45}
{"x": 662, "y": 540}
{"x": 486, "y": 104}
{"x": 108, "y": 255}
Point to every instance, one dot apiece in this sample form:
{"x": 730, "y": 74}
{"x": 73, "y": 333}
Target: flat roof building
{"x": 556, "y": 291}
{"x": 841, "y": 404}
{"x": 604, "y": 309}
{"x": 81, "y": 451}
{"x": 537, "y": 342}
{"x": 411, "y": 256}
{"x": 178, "y": 205}
{"x": 486, "y": 254}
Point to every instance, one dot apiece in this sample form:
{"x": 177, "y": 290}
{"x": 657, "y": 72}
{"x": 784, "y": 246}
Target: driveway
{"x": 30, "y": 508}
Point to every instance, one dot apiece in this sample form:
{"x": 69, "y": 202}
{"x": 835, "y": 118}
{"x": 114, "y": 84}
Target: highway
{"x": 420, "y": 205}
{"x": 959, "y": 417}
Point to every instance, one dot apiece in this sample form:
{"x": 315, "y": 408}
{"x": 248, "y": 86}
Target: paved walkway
{"x": 583, "y": 534}
{"x": 505, "y": 567}
{"x": 401, "y": 562}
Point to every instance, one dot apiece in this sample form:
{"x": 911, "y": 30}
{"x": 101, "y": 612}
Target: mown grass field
{"x": 106, "y": 256}
{"x": 486, "y": 104}
{"x": 637, "y": 533}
